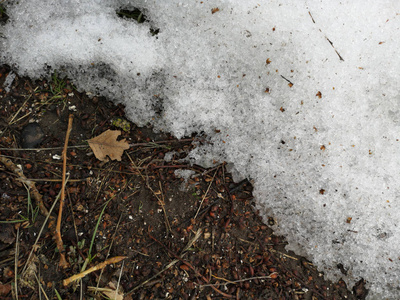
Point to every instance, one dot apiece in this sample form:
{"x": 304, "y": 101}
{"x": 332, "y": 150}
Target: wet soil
{"x": 200, "y": 239}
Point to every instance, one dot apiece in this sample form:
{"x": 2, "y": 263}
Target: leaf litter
{"x": 106, "y": 146}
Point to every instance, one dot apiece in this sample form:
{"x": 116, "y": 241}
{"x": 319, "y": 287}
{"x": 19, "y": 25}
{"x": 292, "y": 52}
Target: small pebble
{"x": 32, "y": 135}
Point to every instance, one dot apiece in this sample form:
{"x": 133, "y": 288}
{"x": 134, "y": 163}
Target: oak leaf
{"x": 106, "y": 145}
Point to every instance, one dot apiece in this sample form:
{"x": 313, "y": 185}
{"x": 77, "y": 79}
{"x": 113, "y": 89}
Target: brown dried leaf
{"x": 110, "y": 292}
{"x": 5, "y": 289}
{"x": 106, "y": 144}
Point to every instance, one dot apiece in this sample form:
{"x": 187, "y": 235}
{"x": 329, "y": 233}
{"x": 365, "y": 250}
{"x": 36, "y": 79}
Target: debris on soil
{"x": 206, "y": 241}
{"x": 107, "y": 146}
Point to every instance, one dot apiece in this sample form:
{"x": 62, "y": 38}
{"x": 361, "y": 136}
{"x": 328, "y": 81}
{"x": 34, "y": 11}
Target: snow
{"x": 300, "y": 96}
{"x": 9, "y": 81}
{"x": 186, "y": 175}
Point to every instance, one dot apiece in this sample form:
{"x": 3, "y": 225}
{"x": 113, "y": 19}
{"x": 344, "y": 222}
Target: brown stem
{"x": 63, "y": 262}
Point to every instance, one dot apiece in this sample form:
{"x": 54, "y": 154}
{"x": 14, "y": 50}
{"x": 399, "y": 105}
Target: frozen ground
{"x": 301, "y": 97}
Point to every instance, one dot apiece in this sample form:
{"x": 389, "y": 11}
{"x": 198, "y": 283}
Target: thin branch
{"x": 102, "y": 265}
{"x": 63, "y": 262}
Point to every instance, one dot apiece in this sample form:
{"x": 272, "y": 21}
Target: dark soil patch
{"x": 146, "y": 214}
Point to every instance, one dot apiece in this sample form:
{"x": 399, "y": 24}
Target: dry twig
{"x": 63, "y": 262}
{"x": 102, "y": 265}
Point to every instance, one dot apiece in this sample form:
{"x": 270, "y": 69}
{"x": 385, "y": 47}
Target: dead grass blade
{"x": 205, "y": 195}
{"x": 41, "y": 288}
{"x": 16, "y": 264}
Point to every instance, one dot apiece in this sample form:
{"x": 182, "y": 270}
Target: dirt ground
{"x": 202, "y": 239}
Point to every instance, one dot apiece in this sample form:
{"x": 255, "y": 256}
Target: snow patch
{"x": 301, "y": 96}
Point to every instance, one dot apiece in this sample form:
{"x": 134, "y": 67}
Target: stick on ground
{"x": 102, "y": 265}
{"x": 63, "y": 262}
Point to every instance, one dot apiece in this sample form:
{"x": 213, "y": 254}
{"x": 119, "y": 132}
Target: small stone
{"x": 32, "y": 135}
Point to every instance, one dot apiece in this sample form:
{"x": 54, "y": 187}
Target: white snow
{"x": 9, "y": 81}
{"x": 186, "y": 175}
{"x": 327, "y": 168}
